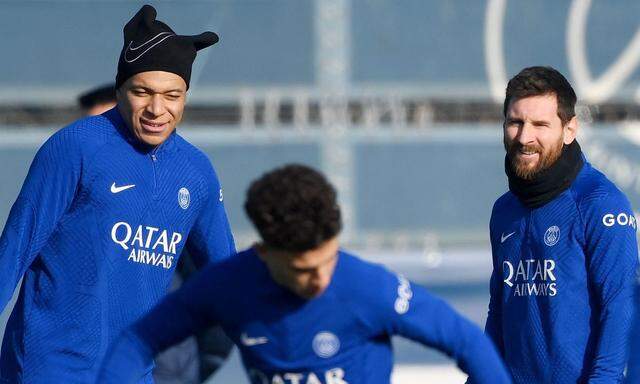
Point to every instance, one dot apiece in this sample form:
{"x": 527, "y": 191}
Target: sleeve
{"x": 210, "y": 239}
{"x": 47, "y": 192}
{"x": 214, "y": 348}
{"x": 493, "y": 326}
{"x": 612, "y": 260}
{"x": 633, "y": 366}
{"x": 410, "y": 311}
{"x": 180, "y": 314}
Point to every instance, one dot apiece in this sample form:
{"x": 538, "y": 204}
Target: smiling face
{"x": 534, "y": 134}
{"x": 152, "y": 104}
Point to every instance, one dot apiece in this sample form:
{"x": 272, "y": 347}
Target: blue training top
{"x": 96, "y": 231}
{"x": 562, "y": 285}
{"x": 341, "y": 337}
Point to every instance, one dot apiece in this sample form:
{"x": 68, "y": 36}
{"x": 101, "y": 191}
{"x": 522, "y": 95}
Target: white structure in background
{"x": 589, "y": 90}
{"x": 333, "y": 72}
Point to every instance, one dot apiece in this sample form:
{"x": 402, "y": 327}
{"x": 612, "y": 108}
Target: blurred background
{"x": 398, "y": 102}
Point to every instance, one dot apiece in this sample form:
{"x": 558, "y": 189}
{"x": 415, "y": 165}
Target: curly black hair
{"x": 294, "y": 208}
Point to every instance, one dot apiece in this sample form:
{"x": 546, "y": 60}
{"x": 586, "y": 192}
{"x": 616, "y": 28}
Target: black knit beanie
{"x": 150, "y": 45}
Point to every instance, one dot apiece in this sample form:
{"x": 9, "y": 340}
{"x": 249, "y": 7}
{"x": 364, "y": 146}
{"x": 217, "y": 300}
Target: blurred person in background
{"x": 300, "y": 309}
{"x": 106, "y": 209}
{"x": 564, "y": 246}
{"x": 193, "y": 360}
{"x": 98, "y": 100}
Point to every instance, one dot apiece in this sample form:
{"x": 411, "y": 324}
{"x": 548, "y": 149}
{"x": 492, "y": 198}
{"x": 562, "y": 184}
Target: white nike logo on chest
{"x": 504, "y": 238}
{"x": 252, "y": 341}
{"x": 115, "y": 189}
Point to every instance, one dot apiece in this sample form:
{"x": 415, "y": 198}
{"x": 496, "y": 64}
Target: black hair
{"x": 294, "y": 208}
{"x": 100, "y": 95}
{"x": 537, "y": 81}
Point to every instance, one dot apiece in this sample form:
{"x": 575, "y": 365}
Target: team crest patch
{"x": 326, "y": 344}
{"x": 184, "y": 198}
{"x": 552, "y": 236}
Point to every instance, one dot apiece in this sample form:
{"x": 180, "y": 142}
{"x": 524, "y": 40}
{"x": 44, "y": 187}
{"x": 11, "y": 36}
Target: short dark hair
{"x": 538, "y": 81}
{"x": 100, "y": 95}
{"x": 294, "y": 208}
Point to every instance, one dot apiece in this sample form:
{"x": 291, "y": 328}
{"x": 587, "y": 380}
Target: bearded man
{"x": 564, "y": 247}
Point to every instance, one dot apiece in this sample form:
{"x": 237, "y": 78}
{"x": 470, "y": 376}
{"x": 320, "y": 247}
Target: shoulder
{"x": 601, "y": 205}
{"x": 198, "y": 159}
{"x": 507, "y": 207}
{"x": 228, "y": 272}
{"x": 593, "y": 192}
{"x": 506, "y": 201}
{"x": 371, "y": 284}
{"x": 80, "y": 137}
{"x": 365, "y": 271}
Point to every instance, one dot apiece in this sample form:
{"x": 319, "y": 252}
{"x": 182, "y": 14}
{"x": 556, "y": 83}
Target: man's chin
{"x": 152, "y": 138}
{"x": 526, "y": 170}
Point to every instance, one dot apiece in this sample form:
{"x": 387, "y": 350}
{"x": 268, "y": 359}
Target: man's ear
{"x": 570, "y": 130}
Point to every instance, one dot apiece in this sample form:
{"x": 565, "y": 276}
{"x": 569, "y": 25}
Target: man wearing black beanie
{"x": 108, "y": 205}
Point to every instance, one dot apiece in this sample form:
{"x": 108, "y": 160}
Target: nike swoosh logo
{"x": 115, "y": 189}
{"x": 159, "y": 38}
{"x": 504, "y": 238}
{"x": 252, "y": 341}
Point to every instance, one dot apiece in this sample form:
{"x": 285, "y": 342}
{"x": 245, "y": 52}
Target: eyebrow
{"x": 519, "y": 120}
{"x": 147, "y": 89}
{"x": 324, "y": 262}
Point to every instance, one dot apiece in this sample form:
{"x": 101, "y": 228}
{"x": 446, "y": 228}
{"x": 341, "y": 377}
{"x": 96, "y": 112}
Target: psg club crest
{"x": 184, "y": 198}
{"x": 326, "y": 344}
{"x": 552, "y": 236}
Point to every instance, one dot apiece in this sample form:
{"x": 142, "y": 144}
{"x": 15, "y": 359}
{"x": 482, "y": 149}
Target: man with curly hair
{"x": 301, "y": 310}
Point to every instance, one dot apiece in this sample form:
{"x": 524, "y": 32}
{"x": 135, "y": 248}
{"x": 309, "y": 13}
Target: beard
{"x": 523, "y": 169}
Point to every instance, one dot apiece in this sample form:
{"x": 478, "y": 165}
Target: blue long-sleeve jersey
{"x": 562, "y": 285}
{"x": 96, "y": 232}
{"x": 633, "y": 365}
{"x": 341, "y": 337}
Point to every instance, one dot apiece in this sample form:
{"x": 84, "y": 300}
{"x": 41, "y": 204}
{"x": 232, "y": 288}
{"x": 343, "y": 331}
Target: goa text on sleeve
{"x": 610, "y": 234}
{"x": 566, "y": 275}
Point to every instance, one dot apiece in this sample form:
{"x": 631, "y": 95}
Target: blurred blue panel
{"x": 239, "y": 164}
{"x": 417, "y": 40}
{"x": 73, "y": 43}
{"x": 440, "y": 186}
{"x": 442, "y": 43}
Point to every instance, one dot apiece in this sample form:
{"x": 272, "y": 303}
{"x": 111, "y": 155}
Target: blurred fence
{"x": 413, "y": 191}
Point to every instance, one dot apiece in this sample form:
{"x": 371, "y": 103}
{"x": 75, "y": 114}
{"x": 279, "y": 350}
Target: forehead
{"x": 534, "y": 107}
{"x": 310, "y": 259}
{"x": 157, "y": 81}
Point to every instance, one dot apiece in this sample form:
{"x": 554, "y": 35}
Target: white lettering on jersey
{"x": 331, "y": 376}
{"x": 160, "y": 254}
{"x": 335, "y": 376}
{"x": 313, "y": 379}
{"x": 404, "y": 295}
{"x": 531, "y": 277}
{"x": 623, "y": 219}
{"x": 294, "y": 378}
